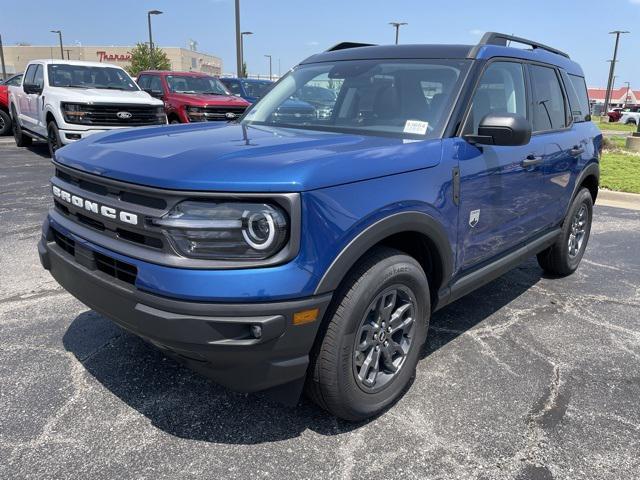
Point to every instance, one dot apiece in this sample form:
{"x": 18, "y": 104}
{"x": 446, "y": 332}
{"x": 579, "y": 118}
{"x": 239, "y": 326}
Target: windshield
{"x": 256, "y": 89}
{"x": 189, "y": 84}
{"x": 83, "y": 76}
{"x": 404, "y": 98}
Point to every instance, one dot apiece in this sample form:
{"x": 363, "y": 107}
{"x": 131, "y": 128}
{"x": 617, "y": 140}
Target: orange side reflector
{"x": 305, "y": 316}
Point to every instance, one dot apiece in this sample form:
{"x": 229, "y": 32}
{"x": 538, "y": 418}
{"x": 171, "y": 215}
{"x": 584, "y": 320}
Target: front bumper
{"x": 216, "y": 339}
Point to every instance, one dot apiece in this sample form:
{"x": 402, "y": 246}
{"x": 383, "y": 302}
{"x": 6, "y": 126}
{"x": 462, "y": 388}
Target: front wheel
{"x": 53, "y": 138}
{"x": 563, "y": 257}
{"x": 367, "y": 357}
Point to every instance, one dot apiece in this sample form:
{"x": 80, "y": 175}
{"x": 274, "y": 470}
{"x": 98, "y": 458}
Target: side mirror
{"x": 505, "y": 129}
{"x": 32, "y": 89}
{"x": 154, "y": 93}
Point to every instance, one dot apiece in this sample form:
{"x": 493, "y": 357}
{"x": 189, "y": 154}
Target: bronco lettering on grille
{"x": 94, "y": 207}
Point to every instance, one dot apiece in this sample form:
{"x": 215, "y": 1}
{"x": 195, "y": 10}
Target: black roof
{"x": 392, "y": 51}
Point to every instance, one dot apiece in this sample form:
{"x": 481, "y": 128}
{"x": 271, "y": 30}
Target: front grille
{"x": 107, "y": 115}
{"x": 114, "y": 268}
{"x": 64, "y": 242}
{"x": 220, "y": 113}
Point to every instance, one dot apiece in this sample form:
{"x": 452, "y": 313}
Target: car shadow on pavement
{"x": 187, "y": 405}
{"x": 39, "y": 148}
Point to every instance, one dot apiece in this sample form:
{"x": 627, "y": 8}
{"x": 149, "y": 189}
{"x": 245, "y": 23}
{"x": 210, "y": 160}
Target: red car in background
{"x": 5, "y": 117}
{"x": 191, "y": 96}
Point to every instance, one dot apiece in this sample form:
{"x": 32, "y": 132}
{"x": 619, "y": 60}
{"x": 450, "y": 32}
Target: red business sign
{"x": 113, "y": 57}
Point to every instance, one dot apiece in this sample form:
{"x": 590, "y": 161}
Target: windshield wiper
{"x": 110, "y": 88}
{"x": 71, "y": 86}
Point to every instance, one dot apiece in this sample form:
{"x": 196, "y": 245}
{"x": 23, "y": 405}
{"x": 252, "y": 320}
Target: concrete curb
{"x": 608, "y": 198}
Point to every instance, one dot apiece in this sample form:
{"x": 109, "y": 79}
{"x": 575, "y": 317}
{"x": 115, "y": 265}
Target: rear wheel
{"x": 367, "y": 357}
{"x": 563, "y": 257}
{"x": 5, "y": 123}
{"x": 22, "y": 140}
{"x": 53, "y": 138}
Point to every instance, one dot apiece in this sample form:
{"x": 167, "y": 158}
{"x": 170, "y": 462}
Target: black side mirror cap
{"x": 154, "y": 93}
{"x": 31, "y": 89}
{"x": 505, "y": 129}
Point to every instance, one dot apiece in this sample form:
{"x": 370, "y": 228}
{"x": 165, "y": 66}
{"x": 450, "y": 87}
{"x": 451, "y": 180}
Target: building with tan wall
{"x": 181, "y": 59}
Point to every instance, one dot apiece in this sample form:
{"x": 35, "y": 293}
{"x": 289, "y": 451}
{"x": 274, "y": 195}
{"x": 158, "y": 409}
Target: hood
{"x": 202, "y": 100}
{"x": 103, "y": 95}
{"x": 238, "y": 158}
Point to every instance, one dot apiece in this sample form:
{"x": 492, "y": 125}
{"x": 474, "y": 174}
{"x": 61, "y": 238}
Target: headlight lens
{"x": 226, "y": 230}
{"x": 196, "y": 114}
{"x": 73, "y": 112}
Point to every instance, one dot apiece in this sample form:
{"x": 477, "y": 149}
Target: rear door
{"x": 24, "y": 99}
{"x": 499, "y": 185}
{"x": 557, "y": 140}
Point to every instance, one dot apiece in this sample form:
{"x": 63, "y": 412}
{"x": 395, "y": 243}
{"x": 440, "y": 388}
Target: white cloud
{"x": 635, "y": 2}
{"x": 313, "y": 43}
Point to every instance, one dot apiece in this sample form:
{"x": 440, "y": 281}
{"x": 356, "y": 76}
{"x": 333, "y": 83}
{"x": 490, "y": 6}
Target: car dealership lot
{"x": 528, "y": 377}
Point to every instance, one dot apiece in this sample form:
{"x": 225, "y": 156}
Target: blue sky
{"x": 291, "y": 30}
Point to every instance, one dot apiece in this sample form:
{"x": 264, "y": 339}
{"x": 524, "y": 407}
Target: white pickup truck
{"x": 629, "y": 117}
{"x": 63, "y": 101}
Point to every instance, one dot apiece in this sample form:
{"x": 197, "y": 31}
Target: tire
{"x": 335, "y": 381}
{"x": 53, "y": 138}
{"x": 564, "y": 256}
{"x": 19, "y": 136}
{"x": 630, "y": 122}
{"x": 5, "y": 123}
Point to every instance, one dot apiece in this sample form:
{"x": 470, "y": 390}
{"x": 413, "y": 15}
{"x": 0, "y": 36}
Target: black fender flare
{"x": 592, "y": 168}
{"x": 402, "y": 222}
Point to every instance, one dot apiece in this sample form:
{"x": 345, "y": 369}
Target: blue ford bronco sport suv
{"x": 280, "y": 253}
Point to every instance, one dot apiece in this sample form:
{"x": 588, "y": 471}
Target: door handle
{"x": 576, "y": 150}
{"x": 531, "y": 160}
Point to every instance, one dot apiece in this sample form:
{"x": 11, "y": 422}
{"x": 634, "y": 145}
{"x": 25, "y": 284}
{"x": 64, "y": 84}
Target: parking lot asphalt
{"x": 528, "y": 378}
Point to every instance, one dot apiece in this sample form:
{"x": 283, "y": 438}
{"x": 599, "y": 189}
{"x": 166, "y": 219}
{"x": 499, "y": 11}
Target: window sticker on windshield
{"x": 416, "y": 126}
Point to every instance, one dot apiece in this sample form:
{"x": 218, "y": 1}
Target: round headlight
{"x": 260, "y": 230}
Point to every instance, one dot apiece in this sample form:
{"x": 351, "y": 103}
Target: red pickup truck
{"x": 5, "y": 117}
{"x": 192, "y": 96}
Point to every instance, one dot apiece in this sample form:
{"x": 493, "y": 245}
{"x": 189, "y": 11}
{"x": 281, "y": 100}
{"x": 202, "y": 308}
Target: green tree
{"x": 140, "y": 59}
{"x": 244, "y": 73}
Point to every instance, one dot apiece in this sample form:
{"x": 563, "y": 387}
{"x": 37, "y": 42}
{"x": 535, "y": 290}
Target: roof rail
{"x": 501, "y": 39}
{"x": 345, "y": 45}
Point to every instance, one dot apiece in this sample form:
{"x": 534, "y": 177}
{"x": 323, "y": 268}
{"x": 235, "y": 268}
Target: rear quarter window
{"x": 582, "y": 97}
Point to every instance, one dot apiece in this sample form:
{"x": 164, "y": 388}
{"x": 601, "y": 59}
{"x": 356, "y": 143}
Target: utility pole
{"x": 612, "y": 68}
{"x": 626, "y": 99}
{"x": 59, "y": 32}
{"x": 270, "y": 70}
{"x": 238, "y": 41}
{"x": 152, "y": 64}
{"x": 4, "y": 69}
{"x": 68, "y": 53}
{"x": 397, "y": 26}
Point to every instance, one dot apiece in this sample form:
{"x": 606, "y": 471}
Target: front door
{"x": 500, "y": 186}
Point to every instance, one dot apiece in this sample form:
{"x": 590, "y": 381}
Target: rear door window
{"x": 548, "y": 100}
{"x": 28, "y": 77}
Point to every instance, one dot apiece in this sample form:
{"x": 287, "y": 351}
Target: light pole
{"x": 238, "y": 41}
{"x": 397, "y": 26}
{"x": 612, "y": 68}
{"x": 149, "y": 13}
{"x": 242, "y": 34}
{"x": 270, "y": 71}
{"x": 59, "y": 32}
